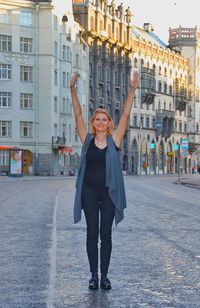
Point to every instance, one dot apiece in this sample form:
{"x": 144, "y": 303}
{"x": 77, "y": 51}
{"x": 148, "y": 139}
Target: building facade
{"x": 187, "y": 42}
{"x": 39, "y": 50}
{"x": 159, "y": 119}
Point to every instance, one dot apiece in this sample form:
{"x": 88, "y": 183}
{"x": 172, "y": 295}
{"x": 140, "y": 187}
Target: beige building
{"x": 39, "y": 50}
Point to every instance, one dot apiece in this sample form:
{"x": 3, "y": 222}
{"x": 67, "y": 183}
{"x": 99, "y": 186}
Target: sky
{"x": 163, "y": 14}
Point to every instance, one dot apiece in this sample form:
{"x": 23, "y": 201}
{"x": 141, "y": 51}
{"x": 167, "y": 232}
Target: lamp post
{"x": 179, "y": 163}
{"x": 139, "y": 113}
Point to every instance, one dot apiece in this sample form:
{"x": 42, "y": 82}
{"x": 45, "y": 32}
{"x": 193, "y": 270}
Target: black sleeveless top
{"x": 95, "y": 171}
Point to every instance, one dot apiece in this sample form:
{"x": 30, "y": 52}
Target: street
{"x": 155, "y": 258}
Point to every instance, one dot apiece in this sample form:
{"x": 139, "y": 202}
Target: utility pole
{"x": 139, "y": 113}
{"x": 179, "y": 164}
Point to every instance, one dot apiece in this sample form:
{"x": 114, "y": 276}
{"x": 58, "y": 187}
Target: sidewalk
{"x": 190, "y": 181}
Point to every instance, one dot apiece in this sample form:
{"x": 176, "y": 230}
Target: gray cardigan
{"x": 114, "y": 179}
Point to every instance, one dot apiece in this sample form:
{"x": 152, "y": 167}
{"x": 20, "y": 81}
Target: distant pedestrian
{"x": 198, "y": 169}
{"x": 99, "y": 185}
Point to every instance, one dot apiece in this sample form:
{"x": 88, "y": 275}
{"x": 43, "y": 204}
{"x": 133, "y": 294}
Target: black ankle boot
{"x": 105, "y": 282}
{"x": 94, "y": 282}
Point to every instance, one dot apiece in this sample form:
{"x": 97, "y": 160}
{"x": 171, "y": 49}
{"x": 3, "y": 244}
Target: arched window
{"x": 117, "y": 34}
{"x": 91, "y": 23}
{"x": 124, "y": 36}
{"x": 135, "y": 62}
{"x": 109, "y": 31}
{"x": 101, "y": 25}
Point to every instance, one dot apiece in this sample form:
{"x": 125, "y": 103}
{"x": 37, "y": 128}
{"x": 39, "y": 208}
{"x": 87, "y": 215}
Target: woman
{"x": 99, "y": 185}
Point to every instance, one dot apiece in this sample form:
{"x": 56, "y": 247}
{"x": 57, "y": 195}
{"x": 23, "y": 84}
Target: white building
{"x": 39, "y": 50}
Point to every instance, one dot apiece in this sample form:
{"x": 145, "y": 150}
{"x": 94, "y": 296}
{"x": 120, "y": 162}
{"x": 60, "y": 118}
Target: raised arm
{"x": 123, "y": 123}
{"x": 80, "y": 122}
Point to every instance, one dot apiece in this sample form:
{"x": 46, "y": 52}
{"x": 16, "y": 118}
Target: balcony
{"x": 58, "y": 141}
{"x": 147, "y": 98}
{"x": 164, "y": 122}
{"x": 181, "y": 97}
{"x": 180, "y": 102}
{"x": 101, "y": 102}
{"x": 148, "y": 86}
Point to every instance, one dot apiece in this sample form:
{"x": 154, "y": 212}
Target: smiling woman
{"x": 100, "y": 185}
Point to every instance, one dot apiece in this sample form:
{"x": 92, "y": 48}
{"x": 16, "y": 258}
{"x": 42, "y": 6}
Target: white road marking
{"x": 53, "y": 256}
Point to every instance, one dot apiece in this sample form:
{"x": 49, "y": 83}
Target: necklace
{"x": 100, "y": 143}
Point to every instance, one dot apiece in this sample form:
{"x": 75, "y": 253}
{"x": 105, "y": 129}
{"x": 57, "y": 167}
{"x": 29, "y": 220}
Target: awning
{"x": 7, "y": 147}
{"x": 65, "y": 150}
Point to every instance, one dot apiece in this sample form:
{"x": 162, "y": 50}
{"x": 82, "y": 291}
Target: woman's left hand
{"x": 134, "y": 82}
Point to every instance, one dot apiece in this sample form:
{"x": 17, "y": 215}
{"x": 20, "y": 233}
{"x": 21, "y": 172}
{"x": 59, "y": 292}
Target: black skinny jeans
{"x": 95, "y": 201}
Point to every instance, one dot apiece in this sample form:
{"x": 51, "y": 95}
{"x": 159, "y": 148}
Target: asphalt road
{"x": 156, "y": 253}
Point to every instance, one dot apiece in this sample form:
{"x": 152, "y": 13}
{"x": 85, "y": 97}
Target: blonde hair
{"x": 111, "y": 125}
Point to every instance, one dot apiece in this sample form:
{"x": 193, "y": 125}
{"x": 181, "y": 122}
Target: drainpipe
{"x": 36, "y": 90}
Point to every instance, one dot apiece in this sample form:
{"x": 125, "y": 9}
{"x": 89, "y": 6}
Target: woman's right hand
{"x": 74, "y": 80}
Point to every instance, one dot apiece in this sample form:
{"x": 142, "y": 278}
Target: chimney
{"x": 148, "y": 27}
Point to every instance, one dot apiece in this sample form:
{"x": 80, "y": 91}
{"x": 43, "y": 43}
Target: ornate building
{"x": 187, "y": 42}
{"x": 159, "y": 117}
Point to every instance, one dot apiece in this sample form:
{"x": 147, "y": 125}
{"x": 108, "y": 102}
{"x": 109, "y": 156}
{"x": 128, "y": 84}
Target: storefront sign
{"x": 184, "y": 153}
{"x": 184, "y": 143}
{"x": 176, "y": 147}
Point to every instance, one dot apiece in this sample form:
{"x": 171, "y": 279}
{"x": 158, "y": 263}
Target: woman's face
{"x": 101, "y": 122}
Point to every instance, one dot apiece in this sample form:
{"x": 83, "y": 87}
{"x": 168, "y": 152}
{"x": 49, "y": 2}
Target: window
{"x": 185, "y": 127}
{"x": 55, "y": 129}
{"x": 135, "y": 102}
{"x": 55, "y": 77}
{"x": 69, "y": 106}
{"x": 70, "y": 132}
{"x": 159, "y": 86}
{"x": 26, "y": 101}
{"x": 76, "y": 135}
{"x": 4, "y": 18}
{"x": 26, "y": 73}
{"x": 180, "y": 126}
{"x": 135, "y": 120}
{"x": 4, "y": 157}
{"x": 55, "y": 22}
{"x": 159, "y": 104}
{"x": 55, "y": 104}
{"x": 141, "y": 121}
{"x": 165, "y": 88}
{"x": 55, "y": 49}
{"x": 170, "y": 90}
{"x": 5, "y": 43}
{"x": 154, "y": 123}
{"x": 64, "y": 52}
{"x": 5, "y": 128}
{"x": 26, "y": 44}
{"x": 147, "y": 122}
{"x": 26, "y": 129}
{"x": 64, "y": 105}
{"x": 77, "y": 60}
{"x": 5, "y": 71}
{"x": 197, "y": 128}
{"x": 68, "y": 53}
{"x": 64, "y": 80}
{"x": 5, "y": 99}
{"x": 26, "y": 19}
